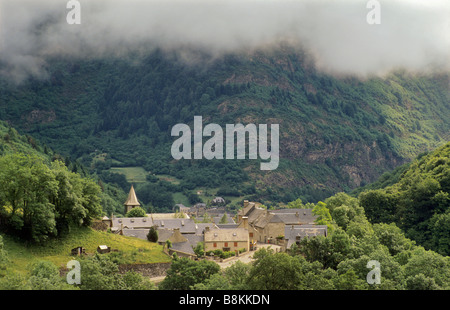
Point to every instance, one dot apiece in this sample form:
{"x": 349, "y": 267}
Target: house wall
{"x": 273, "y": 230}
{"x": 220, "y": 245}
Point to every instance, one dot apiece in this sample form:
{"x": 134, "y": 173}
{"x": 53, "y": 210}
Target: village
{"x": 251, "y": 228}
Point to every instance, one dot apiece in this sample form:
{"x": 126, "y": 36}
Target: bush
{"x": 136, "y": 212}
{"x": 152, "y": 235}
{"x": 185, "y": 273}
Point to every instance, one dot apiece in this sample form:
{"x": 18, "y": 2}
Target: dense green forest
{"x": 419, "y": 202}
{"x": 42, "y": 193}
{"x": 336, "y": 133}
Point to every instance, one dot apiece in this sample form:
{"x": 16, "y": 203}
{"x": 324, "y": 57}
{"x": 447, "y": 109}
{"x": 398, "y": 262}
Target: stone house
{"x": 232, "y": 239}
{"x": 179, "y": 243}
{"x": 294, "y": 233}
{"x": 267, "y": 226}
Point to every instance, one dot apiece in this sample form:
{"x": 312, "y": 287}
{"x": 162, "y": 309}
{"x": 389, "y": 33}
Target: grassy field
{"x": 133, "y": 174}
{"x": 130, "y": 250}
{"x": 179, "y": 197}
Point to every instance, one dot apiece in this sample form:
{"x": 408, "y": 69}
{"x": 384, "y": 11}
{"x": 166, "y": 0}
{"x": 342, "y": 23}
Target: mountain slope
{"x": 13, "y": 143}
{"x": 419, "y": 202}
{"x": 335, "y": 133}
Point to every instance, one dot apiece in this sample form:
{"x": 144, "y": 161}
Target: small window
{"x": 226, "y": 244}
{"x": 235, "y": 244}
{"x": 251, "y": 235}
{"x": 215, "y": 245}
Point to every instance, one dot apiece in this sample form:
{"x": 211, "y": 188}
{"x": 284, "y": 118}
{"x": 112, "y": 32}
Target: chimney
{"x": 206, "y": 228}
{"x": 245, "y": 203}
{"x": 245, "y": 220}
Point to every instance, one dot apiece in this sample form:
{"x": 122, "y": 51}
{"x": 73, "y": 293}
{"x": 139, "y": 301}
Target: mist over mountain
{"x": 413, "y": 34}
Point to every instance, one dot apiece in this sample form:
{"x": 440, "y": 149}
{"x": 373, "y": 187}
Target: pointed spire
{"x": 132, "y": 200}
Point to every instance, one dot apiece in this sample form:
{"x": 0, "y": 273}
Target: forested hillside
{"x": 43, "y": 194}
{"x": 336, "y": 133}
{"x": 418, "y": 202}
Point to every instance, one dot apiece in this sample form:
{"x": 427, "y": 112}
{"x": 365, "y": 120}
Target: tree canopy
{"x": 40, "y": 200}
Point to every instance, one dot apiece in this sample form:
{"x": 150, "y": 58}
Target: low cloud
{"x": 413, "y": 34}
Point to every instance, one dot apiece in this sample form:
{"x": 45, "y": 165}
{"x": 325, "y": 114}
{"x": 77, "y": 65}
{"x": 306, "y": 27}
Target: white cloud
{"x": 414, "y": 34}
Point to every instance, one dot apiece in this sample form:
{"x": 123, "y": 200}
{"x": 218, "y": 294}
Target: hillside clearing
{"x": 129, "y": 249}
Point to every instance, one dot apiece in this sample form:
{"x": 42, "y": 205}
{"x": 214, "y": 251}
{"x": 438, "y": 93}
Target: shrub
{"x": 136, "y": 212}
{"x": 152, "y": 235}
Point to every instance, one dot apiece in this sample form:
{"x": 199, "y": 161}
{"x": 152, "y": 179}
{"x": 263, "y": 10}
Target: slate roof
{"x": 295, "y": 216}
{"x": 132, "y": 199}
{"x": 137, "y": 233}
{"x": 184, "y": 247}
{"x": 260, "y": 217}
{"x": 200, "y": 227}
{"x": 293, "y": 231}
{"x": 179, "y": 242}
{"x": 186, "y": 226}
{"x": 132, "y": 222}
{"x": 246, "y": 210}
{"x": 227, "y": 235}
{"x": 255, "y": 215}
{"x": 164, "y": 234}
{"x": 227, "y": 226}
{"x": 194, "y": 239}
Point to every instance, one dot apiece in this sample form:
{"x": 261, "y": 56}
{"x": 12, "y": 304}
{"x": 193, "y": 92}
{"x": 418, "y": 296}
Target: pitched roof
{"x": 183, "y": 247}
{"x": 132, "y": 199}
{"x": 137, "y": 233}
{"x": 246, "y": 210}
{"x": 255, "y": 215}
{"x": 236, "y": 234}
{"x": 294, "y": 232}
{"x": 200, "y": 227}
{"x": 177, "y": 237}
{"x": 296, "y": 216}
{"x": 227, "y": 226}
{"x": 186, "y": 226}
{"x": 132, "y": 222}
{"x": 164, "y": 234}
{"x": 193, "y": 239}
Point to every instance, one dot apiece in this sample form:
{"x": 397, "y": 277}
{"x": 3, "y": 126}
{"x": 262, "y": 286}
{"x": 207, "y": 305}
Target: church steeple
{"x": 132, "y": 200}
